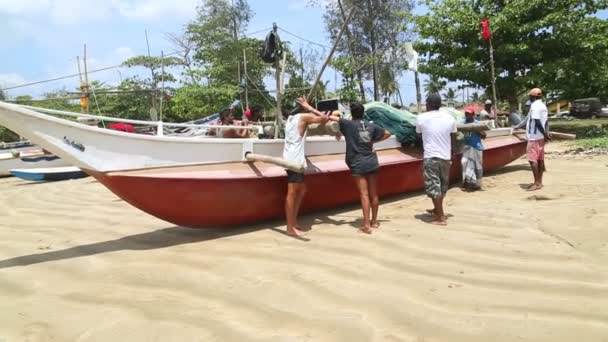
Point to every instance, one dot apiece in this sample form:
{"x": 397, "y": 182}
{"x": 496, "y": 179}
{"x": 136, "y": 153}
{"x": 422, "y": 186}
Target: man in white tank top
{"x": 294, "y": 150}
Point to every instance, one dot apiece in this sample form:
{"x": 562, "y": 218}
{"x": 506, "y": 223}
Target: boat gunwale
{"x": 180, "y": 172}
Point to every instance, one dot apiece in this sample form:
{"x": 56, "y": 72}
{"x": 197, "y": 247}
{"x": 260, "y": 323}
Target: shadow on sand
{"x": 158, "y": 239}
{"x": 176, "y": 236}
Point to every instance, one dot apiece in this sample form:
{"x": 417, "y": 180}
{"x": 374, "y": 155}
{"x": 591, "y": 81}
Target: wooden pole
{"x": 82, "y": 90}
{"x": 418, "y": 94}
{"x": 162, "y": 84}
{"x": 277, "y": 65}
{"x": 493, "y": 80}
{"x": 153, "y": 75}
{"x": 246, "y": 78}
{"x": 331, "y": 53}
{"x": 275, "y": 161}
{"x": 373, "y": 46}
{"x": 86, "y": 76}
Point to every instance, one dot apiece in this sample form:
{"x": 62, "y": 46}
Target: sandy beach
{"x": 79, "y": 264}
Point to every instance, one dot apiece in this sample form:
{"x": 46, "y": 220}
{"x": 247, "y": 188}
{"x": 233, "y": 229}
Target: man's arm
{"x": 453, "y": 137}
{"x": 314, "y": 119}
{"x": 522, "y": 124}
{"x": 385, "y": 135}
{"x": 307, "y": 107}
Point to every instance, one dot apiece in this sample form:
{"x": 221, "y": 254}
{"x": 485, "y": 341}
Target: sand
{"x": 78, "y": 264}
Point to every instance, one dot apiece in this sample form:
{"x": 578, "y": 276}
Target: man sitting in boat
{"x": 227, "y": 119}
{"x": 362, "y": 160}
{"x": 254, "y": 114}
{"x": 296, "y": 127}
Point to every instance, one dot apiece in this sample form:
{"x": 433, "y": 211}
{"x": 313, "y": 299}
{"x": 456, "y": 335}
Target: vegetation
{"x": 582, "y": 128}
{"x": 556, "y": 45}
{"x": 371, "y": 49}
{"x": 591, "y": 143}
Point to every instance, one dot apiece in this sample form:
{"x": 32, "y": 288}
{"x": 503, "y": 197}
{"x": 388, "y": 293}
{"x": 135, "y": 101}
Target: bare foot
{"x": 365, "y": 230}
{"x": 535, "y": 187}
{"x": 440, "y": 222}
{"x": 294, "y": 232}
{"x": 432, "y": 212}
{"x": 375, "y": 224}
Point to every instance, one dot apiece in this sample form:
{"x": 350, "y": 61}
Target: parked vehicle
{"x": 586, "y": 108}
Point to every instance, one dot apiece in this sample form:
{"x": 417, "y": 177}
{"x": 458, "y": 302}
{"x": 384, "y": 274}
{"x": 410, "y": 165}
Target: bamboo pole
{"x": 275, "y": 161}
{"x": 553, "y": 135}
{"x": 493, "y": 81}
{"x": 331, "y": 53}
{"x": 418, "y": 93}
{"x": 277, "y": 63}
{"x": 473, "y": 127}
{"x": 246, "y": 79}
{"x": 86, "y": 76}
{"x": 162, "y": 84}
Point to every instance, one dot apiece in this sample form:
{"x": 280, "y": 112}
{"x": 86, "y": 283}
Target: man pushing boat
{"x": 362, "y": 160}
{"x": 296, "y": 127}
{"x": 437, "y": 129}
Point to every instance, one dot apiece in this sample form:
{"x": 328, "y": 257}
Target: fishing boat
{"x": 49, "y": 174}
{"x": 199, "y": 183}
{"x": 27, "y": 159}
{"x": 226, "y": 194}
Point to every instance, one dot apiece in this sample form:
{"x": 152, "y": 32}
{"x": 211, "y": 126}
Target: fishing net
{"x": 401, "y": 123}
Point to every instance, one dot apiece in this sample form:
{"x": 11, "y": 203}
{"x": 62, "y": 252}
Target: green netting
{"x": 399, "y": 122}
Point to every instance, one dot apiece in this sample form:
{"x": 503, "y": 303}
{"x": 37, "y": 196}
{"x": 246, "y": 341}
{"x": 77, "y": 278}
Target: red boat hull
{"x": 228, "y": 200}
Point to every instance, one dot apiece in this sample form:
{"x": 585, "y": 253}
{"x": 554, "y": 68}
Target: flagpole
{"x": 493, "y": 80}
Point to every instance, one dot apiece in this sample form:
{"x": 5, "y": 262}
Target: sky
{"x": 41, "y": 38}
{"x": 45, "y": 36}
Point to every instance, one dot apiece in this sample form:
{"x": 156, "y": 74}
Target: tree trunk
{"x": 373, "y": 46}
{"x": 361, "y": 86}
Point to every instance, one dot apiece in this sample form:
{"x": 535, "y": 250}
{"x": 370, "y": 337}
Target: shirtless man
{"x": 296, "y": 126}
{"x": 227, "y": 119}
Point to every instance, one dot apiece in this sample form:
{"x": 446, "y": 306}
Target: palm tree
{"x": 434, "y": 85}
{"x": 450, "y": 95}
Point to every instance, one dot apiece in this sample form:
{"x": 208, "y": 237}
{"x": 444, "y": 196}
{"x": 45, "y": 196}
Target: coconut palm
{"x": 434, "y": 85}
{"x": 450, "y": 95}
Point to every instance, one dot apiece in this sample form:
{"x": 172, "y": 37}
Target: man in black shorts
{"x": 296, "y": 126}
{"x": 360, "y": 137}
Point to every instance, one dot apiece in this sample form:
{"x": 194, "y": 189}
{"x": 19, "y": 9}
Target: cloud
{"x": 112, "y": 76}
{"x": 23, "y": 6}
{"x": 11, "y": 79}
{"x": 154, "y": 9}
{"x": 69, "y": 12}
{"x": 299, "y": 5}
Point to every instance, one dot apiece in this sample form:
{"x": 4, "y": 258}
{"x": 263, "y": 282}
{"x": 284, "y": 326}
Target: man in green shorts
{"x": 436, "y": 128}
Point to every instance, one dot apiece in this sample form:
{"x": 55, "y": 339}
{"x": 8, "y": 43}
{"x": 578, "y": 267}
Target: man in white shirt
{"x": 537, "y": 129}
{"x": 437, "y": 129}
{"x": 487, "y": 112}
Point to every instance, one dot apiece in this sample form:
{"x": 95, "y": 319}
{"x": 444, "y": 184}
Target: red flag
{"x": 486, "y": 31}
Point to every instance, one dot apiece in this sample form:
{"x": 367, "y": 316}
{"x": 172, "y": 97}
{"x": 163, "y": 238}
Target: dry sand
{"x": 78, "y": 264}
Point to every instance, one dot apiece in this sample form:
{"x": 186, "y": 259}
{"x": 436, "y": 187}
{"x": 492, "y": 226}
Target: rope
{"x": 60, "y": 78}
{"x": 262, "y": 93}
{"x": 304, "y": 39}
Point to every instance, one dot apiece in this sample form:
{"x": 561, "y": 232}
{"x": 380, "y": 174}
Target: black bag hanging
{"x": 272, "y": 48}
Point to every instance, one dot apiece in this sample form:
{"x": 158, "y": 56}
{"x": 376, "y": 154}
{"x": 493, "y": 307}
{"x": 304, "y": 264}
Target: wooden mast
{"x": 331, "y": 53}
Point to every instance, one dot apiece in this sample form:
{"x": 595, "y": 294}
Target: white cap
{"x": 488, "y": 101}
